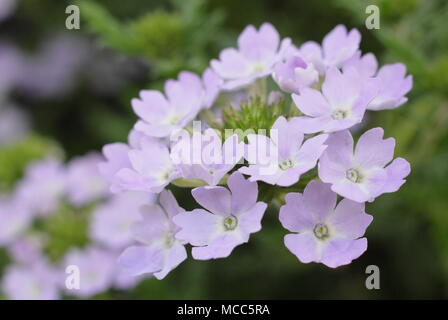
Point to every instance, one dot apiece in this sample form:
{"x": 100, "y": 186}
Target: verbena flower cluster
{"x": 295, "y": 144}
{"x": 33, "y": 226}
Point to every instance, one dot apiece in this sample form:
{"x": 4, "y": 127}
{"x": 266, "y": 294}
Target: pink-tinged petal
{"x": 319, "y": 200}
{"x": 153, "y": 226}
{"x": 186, "y": 93}
{"x": 341, "y": 90}
{"x": 212, "y": 84}
{"x": 312, "y": 103}
{"x": 152, "y": 106}
{"x": 169, "y": 203}
{"x": 342, "y": 252}
{"x": 310, "y": 152}
{"x": 340, "y": 148}
{"x": 350, "y": 190}
{"x": 349, "y": 220}
{"x": 366, "y": 65}
{"x": 259, "y": 45}
{"x": 198, "y": 227}
{"x": 396, "y": 172}
{"x": 222, "y": 247}
{"x": 311, "y": 52}
{"x": 215, "y": 199}
{"x": 244, "y": 193}
{"x": 303, "y": 246}
{"x": 137, "y": 260}
{"x": 289, "y": 137}
{"x": 231, "y": 64}
{"x": 250, "y": 221}
{"x": 294, "y": 216}
{"x": 340, "y": 45}
{"x": 173, "y": 257}
{"x": 374, "y": 151}
{"x": 154, "y": 130}
{"x": 313, "y": 125}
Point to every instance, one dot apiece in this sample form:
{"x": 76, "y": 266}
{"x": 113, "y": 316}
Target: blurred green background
{"x": 142, "y": 43}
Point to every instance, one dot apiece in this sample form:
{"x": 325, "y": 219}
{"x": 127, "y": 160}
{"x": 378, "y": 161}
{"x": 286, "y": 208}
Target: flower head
{"x": 341, "y": 104}
{"x": 15, "y": 218}
{"x": 338, "y": 46}
{"x": 283, "y": 159}
{"x": 84, "y": 181}
{"x": 43, "y": 186}
{"x": 36, "y": 281}
{"x": 204, "y": 156}
{"x": 158, "y": 251}
{"x": 96, "y": 270}
{"x": 324, "y": 232}
{"x": 231, "y": 217}
{"x": 293, "y": 74}
{"x": 112, "y": 221}
{"x": 258, "y": 51}
{"x": 161, "y": 115}
{"x": 364, "y": 173}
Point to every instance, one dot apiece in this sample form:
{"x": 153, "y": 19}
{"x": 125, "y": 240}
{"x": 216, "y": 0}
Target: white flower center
{"x": 169, "y": 240}
{"x": 286, "y": 164}
{"x": 353, "y": 175}
{"x": 172, "y": 120}
{"x": 230, "y": 223}
{"x": 339, "y": 115}
{"x": 321, "y": 231}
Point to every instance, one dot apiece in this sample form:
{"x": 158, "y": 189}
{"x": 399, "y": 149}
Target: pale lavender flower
{"x": 85, "y": 184}
{"x": 204, "y": 156}
{"x": 161, "y": 115}
{"x": 111, "y": 222}
{"x": 341, "y": 104}
{"x": 294, "y": 74}
{"x": 15, "y": 218}
{"x": 28, "y": 248}
{"x": 283, "y": 159}
{"x": 117, "y": 158}
{"x": 14, "y": 124}
{"x": 158, "y": 251}
{"x": 96, "y": 270}
{"x": 338, "y": 46}
{"x": 43, "y": 186}
{"x": 393, "y": 82}
{"x": 150, "y": 167}
{"x": 364, "y": 173}
{"x": 36, "y": 281}
{"x": 257, "y": 53}
{"x": 324, "y": 232}
{"x": 212, "y": 87}
{"x": 231, "y": 217}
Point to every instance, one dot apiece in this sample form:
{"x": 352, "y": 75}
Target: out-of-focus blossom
{"x": 363, "y": 173}
{"x": 7, "y": 7}
{"x": 283, "y": 159}
{"x": 294, "y": 74}
{"x": 14, "y": 124}
{"x": 257, "y": 53}
{"x": 111, "y": 222}
{"x": 11, "y": 61}
{"x": 158, "y": 251}
{"x": 52, "y": 72}
{"x": 15, "y": 218}
{"x": 43, "y": 186}
{"x": 161, "y": 115}
{"x": 231, "y": 217}
{"x": 338, "y": 46}
{"x": 341, "y": 104}
{"x": 85, "y": 184}
{"x": 204, "y": 156}
{"x": 96, "y": 270}
{"x": 27, "y": 249}
{"x": 324, "y": 232}
{"x": 36, "y": 281}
